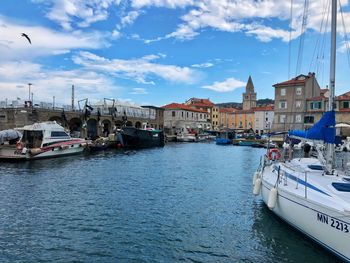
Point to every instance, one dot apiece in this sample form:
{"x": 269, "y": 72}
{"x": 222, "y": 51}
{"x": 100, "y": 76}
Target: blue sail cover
{"x": 323, "y": 130}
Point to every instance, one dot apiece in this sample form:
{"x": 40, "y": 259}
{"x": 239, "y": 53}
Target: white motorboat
{"x": 42, "y": 140}
{"x": 311, "y": 194}
{"x": 186, "y": 137}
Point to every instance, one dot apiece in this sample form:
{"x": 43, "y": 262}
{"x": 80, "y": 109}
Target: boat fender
{"x": 256, "y": 176}
{"x": 274, "y": 154}
{"x": 19, "y": 146}
{"x": 62, "y": 147}
{"x": 271, "y": 203}
{"x": 24, "y": 150}
{"x": 257, "y": 186}
{"x": 84, "y": 144}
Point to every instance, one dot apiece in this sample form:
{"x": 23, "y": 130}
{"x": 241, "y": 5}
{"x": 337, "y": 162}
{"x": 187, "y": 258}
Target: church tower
{"x": 249, "y": 96}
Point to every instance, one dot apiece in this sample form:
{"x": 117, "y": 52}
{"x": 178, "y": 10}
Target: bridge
{"x": 82, "y": 123}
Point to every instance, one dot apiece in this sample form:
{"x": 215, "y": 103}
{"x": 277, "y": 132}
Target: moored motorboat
{"x": 186, "y": 137}
{"x": 42, "y": 140}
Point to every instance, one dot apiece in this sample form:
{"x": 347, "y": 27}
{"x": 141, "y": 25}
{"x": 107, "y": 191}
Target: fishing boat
{"x": 225, "y": 137}
{"x": 311, "y": 194}
{"x": 42, "y": 140}
{"x": 132, "y": 137}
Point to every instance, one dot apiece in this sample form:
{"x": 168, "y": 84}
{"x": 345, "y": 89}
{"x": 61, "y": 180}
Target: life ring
{"x": 19, "y": 146}
{"x": 274, "y": 154}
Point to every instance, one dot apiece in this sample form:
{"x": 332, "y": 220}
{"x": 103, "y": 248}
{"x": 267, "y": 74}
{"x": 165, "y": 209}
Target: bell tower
{"x": 249, "y": 96}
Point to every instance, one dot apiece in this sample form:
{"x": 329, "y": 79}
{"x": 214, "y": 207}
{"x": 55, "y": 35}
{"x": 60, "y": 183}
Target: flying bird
{"x": 26, "y": 36}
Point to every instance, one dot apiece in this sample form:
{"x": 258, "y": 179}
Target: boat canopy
{"x": 323, "y": 130}
{"x": 7, "y": 135}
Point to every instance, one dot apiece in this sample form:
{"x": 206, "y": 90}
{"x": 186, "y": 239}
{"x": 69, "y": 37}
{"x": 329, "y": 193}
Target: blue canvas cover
{"x": 323, "y": 130}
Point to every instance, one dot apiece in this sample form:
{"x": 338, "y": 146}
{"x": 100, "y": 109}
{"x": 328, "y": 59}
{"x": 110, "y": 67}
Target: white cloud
{"x": 129, "y": 19}
{"x": 81, "y": 13}
{"x": 203, "y": 65}
{"x": 15, "y": 76}
{"x": 162, "y": 3}
{"x": 139, "y": 91}
{"x": 241, "y": 16}
{"x": 229, "y": 84}
{"x": 44, "y": 41}
{"x": 140, "y": 70}
{"x": 116, "y": 34}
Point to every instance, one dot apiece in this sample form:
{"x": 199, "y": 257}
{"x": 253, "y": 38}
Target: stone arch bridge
{"x": 81, "y": 126}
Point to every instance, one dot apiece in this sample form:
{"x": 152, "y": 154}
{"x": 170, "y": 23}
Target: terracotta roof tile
{"x": 295, "y": 81}
{"x": 206, "y": 102}
{"x": 227, "y": 110}
{"x": 244, "y": 111}
{"x": 264, "y": 108}
{"x": 345, "y": 96}
{"x": 179, "y": 106}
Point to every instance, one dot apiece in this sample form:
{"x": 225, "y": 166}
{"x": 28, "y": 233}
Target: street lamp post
{"x": 29, "y": 91}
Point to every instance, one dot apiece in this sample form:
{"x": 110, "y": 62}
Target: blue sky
{"x": 160, "y": 51}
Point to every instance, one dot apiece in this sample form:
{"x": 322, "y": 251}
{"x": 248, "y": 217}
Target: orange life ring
{"x": 274, "y": 154}
{"x": 19, "y": 146}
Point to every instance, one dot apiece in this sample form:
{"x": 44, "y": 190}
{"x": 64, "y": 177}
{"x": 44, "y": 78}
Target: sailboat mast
{"x": 330, "y": 146}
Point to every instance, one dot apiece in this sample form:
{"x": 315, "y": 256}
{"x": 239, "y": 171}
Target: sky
{"x": 155, "y": 52}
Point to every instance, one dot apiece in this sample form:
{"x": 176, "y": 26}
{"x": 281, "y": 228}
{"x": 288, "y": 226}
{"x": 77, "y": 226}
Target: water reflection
{"x": 284, "y": 243}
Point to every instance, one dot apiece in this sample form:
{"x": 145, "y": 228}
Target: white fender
{"x": 256, "y": 175}
{"x": 257, "y": 186}
{"x": 271, "y": 203}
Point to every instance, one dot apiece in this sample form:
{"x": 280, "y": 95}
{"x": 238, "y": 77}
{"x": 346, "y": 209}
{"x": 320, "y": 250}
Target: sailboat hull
{"x": 326, "y": 226}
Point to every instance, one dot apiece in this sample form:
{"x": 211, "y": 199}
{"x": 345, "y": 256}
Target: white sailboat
{"x": 311, "y": 194}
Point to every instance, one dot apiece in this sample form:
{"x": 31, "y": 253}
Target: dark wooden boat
{"x": 141, "y": 138}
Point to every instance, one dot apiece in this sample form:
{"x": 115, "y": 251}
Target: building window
{"x": 316, "y": 105}
{"x": 192, "y": 114}
{"x": 299, "y": 90}
{"x": 200, "y": 116}
{"x": 187, "y": 114}
{"x": 283, "y": 92}
{"x": 182, "y": 114}
{"x": 298, "y": 118}
{"x": 173, "y": 113}
{"x": 298, "y": 104}
{"x": 309, "y": 119}
{"x": 282, "y": 118}
{"x": 345, "y": 104}
{"x": 283, "y": 105}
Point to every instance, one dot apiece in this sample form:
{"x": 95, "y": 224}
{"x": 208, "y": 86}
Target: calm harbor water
{"x": 183, "y": 202}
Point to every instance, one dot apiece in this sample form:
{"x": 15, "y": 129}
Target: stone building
{"x": 179, "y": 117}
{"x": 263, "y": 119}
{"x": 208, "y": 106}
{"x": 227, "y": 118}
{"x": 291, "y": 101}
